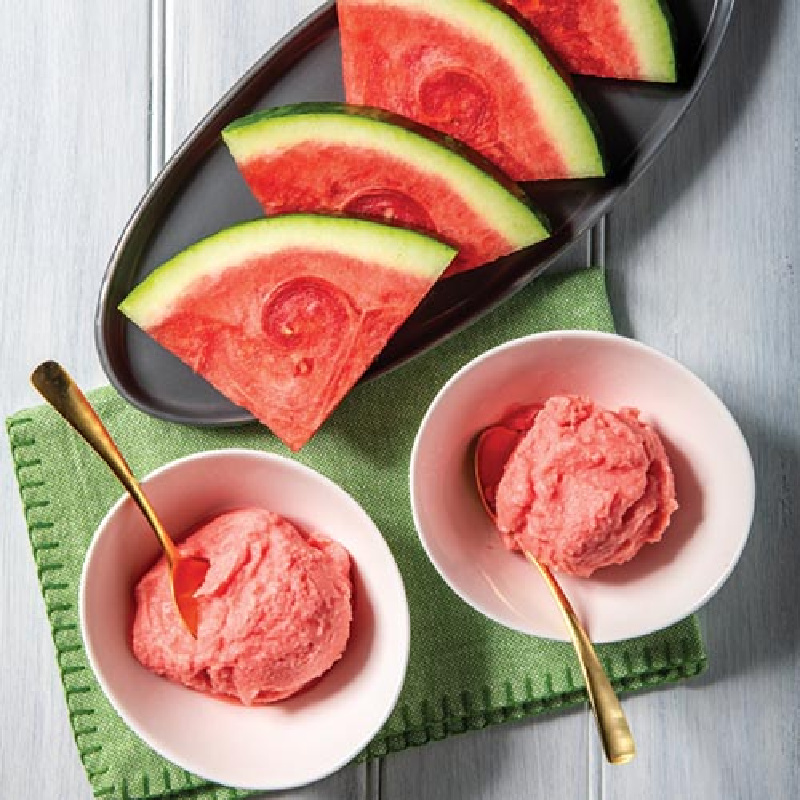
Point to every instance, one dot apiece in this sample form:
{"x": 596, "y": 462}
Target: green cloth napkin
{"x": 465, "y": 672}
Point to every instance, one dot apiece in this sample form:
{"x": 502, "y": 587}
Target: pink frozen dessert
{"x": 585, "y": 487}
{"x": 274, "y": 610}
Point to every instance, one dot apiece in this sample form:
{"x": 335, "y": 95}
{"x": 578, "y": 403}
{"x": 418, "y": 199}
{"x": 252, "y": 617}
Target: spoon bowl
{"x": 186, "y": 573}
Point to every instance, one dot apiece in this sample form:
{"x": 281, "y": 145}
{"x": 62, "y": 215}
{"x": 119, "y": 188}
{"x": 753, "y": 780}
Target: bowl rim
{"x": 401, "y": 628}
{"x": 619, "y": 340}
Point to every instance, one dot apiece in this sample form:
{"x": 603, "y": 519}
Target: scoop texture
{"x": 274, "y": 610}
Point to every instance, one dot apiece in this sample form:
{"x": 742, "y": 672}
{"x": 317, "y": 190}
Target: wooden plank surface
{"x": 73, "y": 128}
{"x": 702, "y": 258}
{"x": 703, "y": 264}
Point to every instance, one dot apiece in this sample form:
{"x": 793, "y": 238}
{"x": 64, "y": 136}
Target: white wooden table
{"x": 703, "y": 262}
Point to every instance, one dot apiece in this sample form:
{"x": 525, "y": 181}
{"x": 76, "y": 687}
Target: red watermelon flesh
{"x": 466, "y": 68}
{"x": 361, "y": 163}
{"x": 286, "y": 331}
{"x": 385, "y": 193}
{"x": 627, "y": 39}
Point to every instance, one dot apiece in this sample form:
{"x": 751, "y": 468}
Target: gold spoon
{"x": 492, "y": 449}
{"x": 186, "y": 573}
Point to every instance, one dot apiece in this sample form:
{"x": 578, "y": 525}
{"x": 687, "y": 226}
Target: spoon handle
{"x": 615, "y": 734}
{"x": 54, "y": 383}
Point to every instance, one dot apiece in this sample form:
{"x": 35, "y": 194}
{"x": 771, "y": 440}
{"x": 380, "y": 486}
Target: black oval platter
{"x": 199, "y": 191}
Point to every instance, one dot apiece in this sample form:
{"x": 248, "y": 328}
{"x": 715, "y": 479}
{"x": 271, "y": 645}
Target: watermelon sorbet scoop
{"x": 585, "y": 487}
{"x": 274, "y": 610}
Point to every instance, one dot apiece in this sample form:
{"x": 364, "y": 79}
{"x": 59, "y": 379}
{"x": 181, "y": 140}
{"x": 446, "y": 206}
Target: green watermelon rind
{"x": 556, "y": 106}
{"x": 649, "y": 25}
{"x": 495, "y": 199}
{"x": 388, "y": 247}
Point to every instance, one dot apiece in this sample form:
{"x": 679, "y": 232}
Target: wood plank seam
{"x": 157, "y": 83}
{"x": 595, "y": 772}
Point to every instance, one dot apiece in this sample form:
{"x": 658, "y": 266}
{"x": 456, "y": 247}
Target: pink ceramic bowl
{"x": 286, "y": 744}
{"x": 665, "y": 582}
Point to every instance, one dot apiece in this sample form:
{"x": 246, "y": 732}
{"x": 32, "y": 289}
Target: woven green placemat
{"x": 465, "y": 672}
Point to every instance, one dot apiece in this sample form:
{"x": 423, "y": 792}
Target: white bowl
{"x": 665, "y": 582}
{"x": 279, "y": 746}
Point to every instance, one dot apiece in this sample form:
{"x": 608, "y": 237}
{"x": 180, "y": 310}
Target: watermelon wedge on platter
{"x": 627, "y": 39}
{"x": 371, "y": 164}
{"x": 283, "y": 315}
{"x": 469, "y": 69}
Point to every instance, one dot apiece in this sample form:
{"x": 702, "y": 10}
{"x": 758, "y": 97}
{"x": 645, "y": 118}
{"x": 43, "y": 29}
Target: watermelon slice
{"x": 283, "y": 315}
{"x": 467, "y": 68}
{"x": 629, "y": 39}
{"x": 366, "y": 163}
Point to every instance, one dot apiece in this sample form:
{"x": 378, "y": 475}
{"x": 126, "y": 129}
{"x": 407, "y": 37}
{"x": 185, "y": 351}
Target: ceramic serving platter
{"x": 200, "y": 191}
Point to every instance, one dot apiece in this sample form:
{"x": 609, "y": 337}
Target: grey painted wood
{"x": 210, "y": 44}
{"x": 703, "y": 262}
{"x": 545, "y": 757}
{"x": 702, "y": 258}
{"x": 73, "y": 129}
